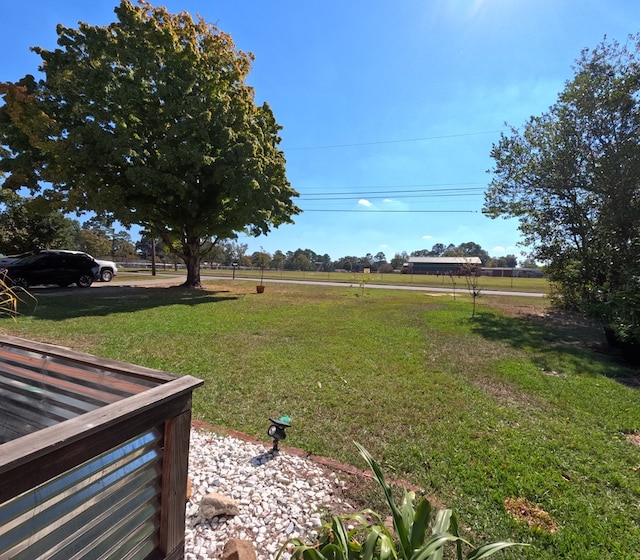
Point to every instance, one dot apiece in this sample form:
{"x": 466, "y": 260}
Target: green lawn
{"x": 485, "y": 282}
{"x": 511, "y": 404}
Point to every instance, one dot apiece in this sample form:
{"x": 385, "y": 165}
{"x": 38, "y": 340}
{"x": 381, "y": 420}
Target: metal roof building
{"x": 442, "y": 265}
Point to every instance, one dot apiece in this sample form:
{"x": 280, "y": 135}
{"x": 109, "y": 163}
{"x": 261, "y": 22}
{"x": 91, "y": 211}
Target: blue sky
{"x": 389, "y": 109}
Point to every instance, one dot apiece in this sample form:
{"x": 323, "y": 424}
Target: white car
{"x": 108, "y": 269}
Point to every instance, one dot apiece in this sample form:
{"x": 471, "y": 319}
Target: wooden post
{"x": 153, "y": 256}
{"x": 173, "y": 499}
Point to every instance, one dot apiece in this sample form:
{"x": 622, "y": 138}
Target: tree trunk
{"x": 192, "y": 262}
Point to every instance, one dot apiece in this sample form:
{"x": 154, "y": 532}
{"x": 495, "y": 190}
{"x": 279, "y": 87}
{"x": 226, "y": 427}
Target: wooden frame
{"x": 158, "y": 401}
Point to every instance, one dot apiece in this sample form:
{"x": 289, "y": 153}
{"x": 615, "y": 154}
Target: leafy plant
{"x": 9, "y": 300}
{"x": 363, "y": 284}
{"x": 363, "y": 536}
{"x": 472, "y": 280}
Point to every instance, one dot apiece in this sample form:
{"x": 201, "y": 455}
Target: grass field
{"x": 518, "y": 411}
{"x": 485, "y": 282}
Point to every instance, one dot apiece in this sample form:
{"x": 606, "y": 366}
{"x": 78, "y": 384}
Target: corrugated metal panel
{"x": 445, "y": 260}
{"x": 107, "y": 508}
{"x": 39, "y": 391}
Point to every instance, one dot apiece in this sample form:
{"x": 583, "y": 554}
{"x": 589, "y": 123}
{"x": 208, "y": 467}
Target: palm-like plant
{"x": 419, "y": 534}
{"x": 9, "y": 300}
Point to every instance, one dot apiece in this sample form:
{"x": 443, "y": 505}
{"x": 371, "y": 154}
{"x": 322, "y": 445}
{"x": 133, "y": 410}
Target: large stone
{"x": 214, "y": 504}
{"x": 239, "y": 549}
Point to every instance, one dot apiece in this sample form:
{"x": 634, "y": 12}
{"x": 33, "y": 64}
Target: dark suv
{"x": 61, "y": 269}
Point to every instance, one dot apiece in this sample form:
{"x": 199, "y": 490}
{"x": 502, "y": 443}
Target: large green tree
{"x": 31, "y": 224}
{"x": 572, "y": 178}
{"x": 150, "y": 120}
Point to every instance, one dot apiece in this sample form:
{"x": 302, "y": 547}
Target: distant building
{"x": 499, "y": 271}
{"x": 459, "y": 266}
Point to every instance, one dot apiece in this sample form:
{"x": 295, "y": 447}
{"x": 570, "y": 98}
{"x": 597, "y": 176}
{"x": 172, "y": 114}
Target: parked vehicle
{"x": 9, "y": 259}
{"x": 52, "y": 267}
{"x": 108, "y": 269}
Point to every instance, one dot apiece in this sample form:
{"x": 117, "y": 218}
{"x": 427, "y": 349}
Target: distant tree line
{"x": 228, "y": 252}
{"x": 30, "y": 224}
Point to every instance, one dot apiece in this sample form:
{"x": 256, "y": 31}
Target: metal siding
{"x": 106, "y": 508}
{"x": 38, "y": 391}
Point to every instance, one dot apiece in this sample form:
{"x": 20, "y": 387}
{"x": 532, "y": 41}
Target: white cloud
{"x": 364, "y": 202}
{"x": 427, "y": 237}
{"x": 500, "y": 250}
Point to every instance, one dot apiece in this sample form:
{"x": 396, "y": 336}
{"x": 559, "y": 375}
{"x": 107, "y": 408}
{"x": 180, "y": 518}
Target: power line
{"x": 399, "y": 211}
{"x": 394, "y": 195}
{"x": 444, "y": 136}
{"x": 410, "y": 187}
{"x": 404, "y": 197}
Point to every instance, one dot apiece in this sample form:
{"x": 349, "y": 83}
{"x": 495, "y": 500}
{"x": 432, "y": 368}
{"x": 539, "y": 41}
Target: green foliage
{"x": 31, "y": 224}
{"x": 370, "y": 539}
{"x": 261, "y": 260}
{"x": 625, "y": 312}
{"x": 619, "y": 309}
{"x": 571, "y": 177}
{"x": 99, "y": 238}
{"x": 363, "y": 280}
{"x": 468, "y": 249}
{"x": 149, "y": 120}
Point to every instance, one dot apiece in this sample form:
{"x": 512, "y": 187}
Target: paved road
{"x": 401, "y": 287}
{"x": 164, "y": 278}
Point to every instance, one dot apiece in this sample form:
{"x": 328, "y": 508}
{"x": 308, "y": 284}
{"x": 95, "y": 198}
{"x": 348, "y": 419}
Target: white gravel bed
{"x": 279, "y": 496}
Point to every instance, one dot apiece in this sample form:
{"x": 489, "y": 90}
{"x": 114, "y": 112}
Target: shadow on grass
{"x": 57, "y": 304}
{"x": 573, "y": 341}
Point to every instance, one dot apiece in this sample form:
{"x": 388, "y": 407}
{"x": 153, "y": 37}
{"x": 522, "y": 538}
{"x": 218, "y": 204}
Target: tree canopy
{"x": 149, "y": 120}
{"x": 32, "y": 224}
{"x": 468, "y": 249}
{"x": 572, "y": 178}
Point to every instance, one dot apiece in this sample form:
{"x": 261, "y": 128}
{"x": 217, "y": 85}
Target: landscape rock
{"x": 212, "y": 505}
{"x": 239, "y": 549}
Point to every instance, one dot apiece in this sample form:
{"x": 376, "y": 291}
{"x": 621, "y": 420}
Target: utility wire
{"x": 408, "y": 186}
{"x": 468, "y": 195}
{"x": 395, "y": 196}
{"x": 390, "y": 193}
{"x": 444, "y": 136}
{"x": 398, "y": 211}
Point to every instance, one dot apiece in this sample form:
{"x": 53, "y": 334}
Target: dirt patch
{"x": 507, "y": 394}
{"x": 553, "y": 373}
{"x": 523, "y": 511}
{"x": 634, "y": 438}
